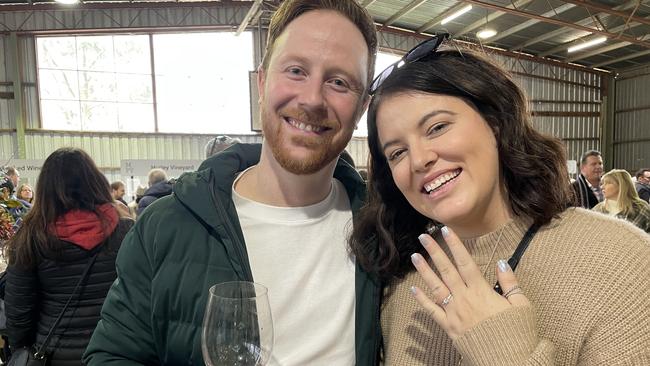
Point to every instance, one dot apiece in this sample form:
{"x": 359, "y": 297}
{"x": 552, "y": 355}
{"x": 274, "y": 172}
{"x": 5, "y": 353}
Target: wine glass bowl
{"x": 237, "y": 326}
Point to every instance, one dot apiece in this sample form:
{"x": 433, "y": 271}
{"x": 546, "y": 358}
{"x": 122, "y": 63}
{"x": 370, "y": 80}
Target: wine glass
{"x": 237, "y": 326}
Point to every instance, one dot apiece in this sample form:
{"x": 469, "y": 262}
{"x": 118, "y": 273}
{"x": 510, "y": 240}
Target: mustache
{"x": 315, "y": 118}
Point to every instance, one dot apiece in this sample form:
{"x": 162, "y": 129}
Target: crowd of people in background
{"x": 456, "y": 171}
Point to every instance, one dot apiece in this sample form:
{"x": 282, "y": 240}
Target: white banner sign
{"x": 173, "y": 168}
{"x": 28, "y": 169}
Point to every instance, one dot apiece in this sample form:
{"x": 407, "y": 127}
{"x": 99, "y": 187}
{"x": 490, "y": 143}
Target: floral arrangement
{"x": 6, "y": 226}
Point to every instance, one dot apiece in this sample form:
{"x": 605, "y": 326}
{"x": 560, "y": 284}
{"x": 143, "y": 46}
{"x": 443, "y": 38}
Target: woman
{"x": 451, "y": 144}
{"x": 25, "y": 195}
{"x": 72, "y": 221}
{"x": 622, "y": 200}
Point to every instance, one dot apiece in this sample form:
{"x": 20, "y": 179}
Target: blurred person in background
{"x": 14, "y": 176}
{"x": 219, "y": 144}
{"x": 159, "y": 186}
{"x": 72, "y": 226}
{"x": 586, "y": 187}
{"x": 117, "y": 192}
{"x": 26, "y": 194}
{"x": 622, "y": 200}
{"x": 642, "y": 184}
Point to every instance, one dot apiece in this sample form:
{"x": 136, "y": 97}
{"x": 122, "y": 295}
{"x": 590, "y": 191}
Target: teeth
{"x": 304, "y": 126}
{"x": 441, "y": 180}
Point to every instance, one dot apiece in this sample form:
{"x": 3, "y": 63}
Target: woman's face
{"x": 444, "y": 159}
{"x": 26, "y": 192}
{"x": 610, "y": 189}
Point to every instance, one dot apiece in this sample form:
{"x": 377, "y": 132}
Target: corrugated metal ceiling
{"x": 544, "y": 28}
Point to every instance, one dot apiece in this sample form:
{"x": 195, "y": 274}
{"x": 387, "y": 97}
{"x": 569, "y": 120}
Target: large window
{"x": 105, "y": 83}
{"x": 200, "y": 82}
{"x": 96, "y": 83}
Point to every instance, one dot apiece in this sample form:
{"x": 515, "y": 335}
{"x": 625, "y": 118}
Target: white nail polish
{"x": 503, "y": 265}
{"x": 445, "y": 231}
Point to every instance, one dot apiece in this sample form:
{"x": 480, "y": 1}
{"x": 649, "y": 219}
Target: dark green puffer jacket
{"x": 182, "y": 245}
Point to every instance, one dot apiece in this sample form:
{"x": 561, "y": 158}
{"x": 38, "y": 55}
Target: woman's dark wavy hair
{"x": 69, "y": 180}
{"x": 533, "y": 166}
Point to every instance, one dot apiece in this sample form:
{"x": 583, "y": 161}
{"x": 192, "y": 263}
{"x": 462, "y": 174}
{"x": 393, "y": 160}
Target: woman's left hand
{"x": 461, "y": 296}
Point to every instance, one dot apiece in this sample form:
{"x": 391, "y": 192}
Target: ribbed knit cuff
{"x": 508, "y": 338}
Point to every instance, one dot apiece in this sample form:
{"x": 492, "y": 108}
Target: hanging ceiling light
{"x": 456, "y": 14}
{"x": 584, "y": 45}
{"x": 67, "y": 2}
{"x": 486, "y": 33}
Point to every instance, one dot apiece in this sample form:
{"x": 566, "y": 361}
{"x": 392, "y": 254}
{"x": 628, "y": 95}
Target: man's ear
{"x": 261, "y": 79}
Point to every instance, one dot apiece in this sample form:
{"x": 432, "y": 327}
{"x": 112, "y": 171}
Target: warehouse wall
{"x": 566, "y": 102}
{"x": 631, "y": 130}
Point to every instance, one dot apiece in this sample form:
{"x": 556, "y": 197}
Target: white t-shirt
{"x": 300, "y": 254}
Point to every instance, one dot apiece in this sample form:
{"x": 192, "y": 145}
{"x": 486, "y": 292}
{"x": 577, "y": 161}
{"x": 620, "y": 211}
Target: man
{"x": 14, "y": 177}
{"x": 643, "y": 184}
{"x": 118, "y": 191}
{"x": 218, "y": 144}
{"x": 159, "y": 186}
{"x": 587, "y": 185}
{"x": 278, "y": 214}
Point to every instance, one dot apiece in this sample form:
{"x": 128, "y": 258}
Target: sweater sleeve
{"x": 21, "y": 305}
{"x": 620, "y": 334}
{"x": 124, "y": 335}
{"x": 508, "y": 338}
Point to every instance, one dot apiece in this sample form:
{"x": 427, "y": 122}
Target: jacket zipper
{"x": 239, "y": 245}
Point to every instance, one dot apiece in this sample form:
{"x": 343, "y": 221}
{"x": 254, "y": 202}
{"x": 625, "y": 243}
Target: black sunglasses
{"x": 415, "y": 54}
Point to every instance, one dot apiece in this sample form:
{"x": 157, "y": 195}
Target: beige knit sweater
{"x": 588, "y": 279}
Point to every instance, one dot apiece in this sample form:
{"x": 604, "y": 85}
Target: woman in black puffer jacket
{"x": 72, "y": 220}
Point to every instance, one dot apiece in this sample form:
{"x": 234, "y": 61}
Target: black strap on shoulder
{"x": 521, "y": 248}
{"x": 40, "y": 353}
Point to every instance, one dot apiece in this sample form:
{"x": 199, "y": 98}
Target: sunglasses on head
{"x": 414, "y": 55}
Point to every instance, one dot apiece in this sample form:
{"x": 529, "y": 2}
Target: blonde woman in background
{"x": 25, "y": 193}
{"x": 622, "y": 200}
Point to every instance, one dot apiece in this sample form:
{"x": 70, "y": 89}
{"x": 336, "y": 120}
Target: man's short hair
{"x": 586, "y": 155}
{"x": 10, "y": 171}
{"x": 640, "y": 172}
{"x": 116, "y": 185}
{"x": 156, "y": 176}
{"x": 292, "y": 9}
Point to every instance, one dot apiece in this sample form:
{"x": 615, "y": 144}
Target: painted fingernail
{"x": 422, "y": 238}
{"x": 416, "y": 258}
{"x": 413, "y": 290}
{"x": 503, "y": 265}
{"x": 445, "y": 231}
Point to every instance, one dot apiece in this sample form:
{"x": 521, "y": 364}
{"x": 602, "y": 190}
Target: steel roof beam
{"x": 607, "y": 48}
{"x": 439, "y": 18}
{"x": 254, "y": 9}
{"x": 557, "y": 32}
{"x": 405, "y": 10}
{"x": 490, "y": 17}
{"x": 607, "y": 10}
{"x": 621, "y": 59}
{"x": 530, "y": 22}
{"x": 559, "y": 22}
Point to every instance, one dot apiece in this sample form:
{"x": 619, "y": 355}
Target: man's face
{"x": 593, "y": 169}
{"x": 645, "y": 178}
{"x": 311, "y": 95}
{"x": 118, "y": 193}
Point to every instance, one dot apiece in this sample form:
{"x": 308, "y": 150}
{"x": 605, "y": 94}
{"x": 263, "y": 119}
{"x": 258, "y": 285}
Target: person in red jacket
{"x": 72, "y": 220}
